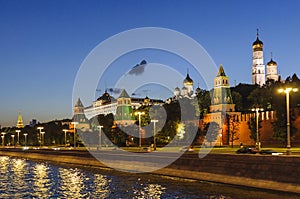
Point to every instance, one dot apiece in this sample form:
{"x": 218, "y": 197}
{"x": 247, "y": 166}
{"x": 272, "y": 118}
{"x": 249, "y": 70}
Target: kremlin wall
{"x": 222, "y": 108}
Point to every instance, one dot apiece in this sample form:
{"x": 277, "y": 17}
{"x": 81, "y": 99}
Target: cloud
{"x": 138, "y": 69}
{"x": 115, "y": 90}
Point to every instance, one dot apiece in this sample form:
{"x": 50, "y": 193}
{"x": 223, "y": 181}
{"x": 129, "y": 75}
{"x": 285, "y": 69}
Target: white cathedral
{"x": 260, "y": 74}
{"x": 187, "y": 90}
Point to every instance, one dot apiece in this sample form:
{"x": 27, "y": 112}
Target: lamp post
{"x": 13, "y": 139}
{"x": 18, "y": 131}
{"x": 40, "y": 128}
{"x": 139, "y": 113}
{"x": 3, "y": 137}
{"x": 257, "y": 133}
{"x": 154, "y": 132}
{"x": 100, "y": 136}
{"x": 287, "y": 92}
{"x": 74, "y": 124}
{"x": 65, "y": 131}
{"x": 42, "y": 138}
{"x": 220, "y": 135}
{"x": 25, "y": 135}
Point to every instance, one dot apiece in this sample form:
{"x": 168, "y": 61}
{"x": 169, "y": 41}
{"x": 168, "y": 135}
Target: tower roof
{"x": 198, "y": 90}
{"x": 187, "y": 79}
{"x": 105, "y": 97}
{"x": 78, "y": 103}
{"x": 124, "y": 94}
{"x": 271, "y": 63}
{"x": 221, "y": 71}
{"x": 257, "y": 41}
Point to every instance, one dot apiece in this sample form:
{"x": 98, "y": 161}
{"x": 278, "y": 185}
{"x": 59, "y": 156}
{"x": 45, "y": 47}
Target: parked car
{"x": 269, "y": 152}
{"x": 146, "y": 149}
{"x": 187, "y": 148}
{"x": 247, "y": 150}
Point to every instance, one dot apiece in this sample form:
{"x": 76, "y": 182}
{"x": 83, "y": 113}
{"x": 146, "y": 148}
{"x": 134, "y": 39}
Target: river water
{"x": 20, "y": 178}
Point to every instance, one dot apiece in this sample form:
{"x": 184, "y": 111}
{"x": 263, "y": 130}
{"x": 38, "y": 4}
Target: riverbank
{"x": 279, "y": 173}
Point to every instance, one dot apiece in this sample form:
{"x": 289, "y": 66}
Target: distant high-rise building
{"x": 20, "y": 121}
{"x": 33, "y": 122}
{"x": 258, "y": 67}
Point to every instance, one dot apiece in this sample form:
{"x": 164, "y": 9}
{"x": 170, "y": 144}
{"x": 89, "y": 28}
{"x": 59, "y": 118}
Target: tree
{"x": 237, "y": 99}
{"x": 280, "y": 126}
{"x": 212, "y": 131}
{"x": 252, "y": 127}
{"x": 204, "y": 101}
{"x": 233, "y": 129}
{"x": 279, "y": 104}
{"x": 244, "y": 90}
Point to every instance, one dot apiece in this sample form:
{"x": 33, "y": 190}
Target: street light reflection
{"x": 150, "y": 191}
{"x": 41, "y": 180}
{"x": 101, "y": 186}
{"x": 72, "y": 183}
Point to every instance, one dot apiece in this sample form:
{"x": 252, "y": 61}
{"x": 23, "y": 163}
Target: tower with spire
{"x": 124, "y": 113}
{"x": 271, "y": 68}
{"x": 258, "y": 67}
{"x": 222, "y": 100}
{"x": 79, "y": 116}
{"x": 20, "y": 121}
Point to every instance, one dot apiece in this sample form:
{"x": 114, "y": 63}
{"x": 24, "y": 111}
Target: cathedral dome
{"x": 105, "y": 97}
{"x": 257, "y": 42}
{"x": 272, "y": 63}
{"x": 177, "y": 89}
{"x": 187, "y": 80}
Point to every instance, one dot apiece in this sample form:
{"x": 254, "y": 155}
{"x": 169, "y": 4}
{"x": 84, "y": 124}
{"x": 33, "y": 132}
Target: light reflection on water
{"x": 41, "y": 181}
{"x": 26, "y": 179}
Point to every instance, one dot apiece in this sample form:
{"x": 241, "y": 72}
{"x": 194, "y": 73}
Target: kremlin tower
{"x": 124, "y": 113}
{"x": 222, "y": 100}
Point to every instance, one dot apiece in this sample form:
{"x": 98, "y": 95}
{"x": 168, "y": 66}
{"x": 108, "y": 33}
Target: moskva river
{"x": 20, "y": 178}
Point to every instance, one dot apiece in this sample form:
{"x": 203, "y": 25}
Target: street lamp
{"x": 154, "y": 132}
{"x": 220, "y": 135}
{"x": 100, "y": 127}
{"x": 3, "y": 137}
{"x": 40, "y": 128}
{"x": 13, "y": 139}
{"x": 42, "y": 138}
{"x": 74, "y": 124}
{"x": 25, "y": 135}
{"x": 18, "y": 131}
{"x": 65, "y": 130}
{"x": 257, "y": 134}
{"x": 139, "y": 113}
{"x": 287, "y": 92}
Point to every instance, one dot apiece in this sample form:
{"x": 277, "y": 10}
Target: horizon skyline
{"x": 44, "y": 44}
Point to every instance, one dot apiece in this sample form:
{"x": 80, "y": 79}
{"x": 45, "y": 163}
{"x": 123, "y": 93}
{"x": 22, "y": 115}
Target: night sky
{"x": 43, "y": 44}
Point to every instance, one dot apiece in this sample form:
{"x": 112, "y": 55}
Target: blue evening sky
{"x": 43, "y": 43}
